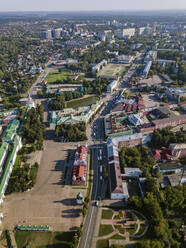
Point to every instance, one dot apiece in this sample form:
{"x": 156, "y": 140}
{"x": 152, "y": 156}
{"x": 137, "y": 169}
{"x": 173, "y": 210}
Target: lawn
{"x": 52, "y": 77}
{"x": 44, "y": 239}
{"x": 132, "y": 228}
{"x": 102, "y": 243}
{"x": 120, "y": 229}
{"x": 105, "y": 230}
{"x": 85, "y": 101}
{"x": 107, "y": 214}
{"x": 117, "y": 236}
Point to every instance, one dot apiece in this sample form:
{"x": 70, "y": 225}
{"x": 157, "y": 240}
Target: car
{"x": 96, "y": 204}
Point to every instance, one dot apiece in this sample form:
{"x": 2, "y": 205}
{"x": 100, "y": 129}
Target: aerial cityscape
{"x": 93, "y": 124}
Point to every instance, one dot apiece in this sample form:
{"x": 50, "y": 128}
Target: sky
{"x": 78, "y": 5}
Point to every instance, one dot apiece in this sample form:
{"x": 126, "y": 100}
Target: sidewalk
{"x": 13, "y": 241}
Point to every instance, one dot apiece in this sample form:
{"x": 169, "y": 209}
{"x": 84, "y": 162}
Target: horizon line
{"x": 127, "y": 10}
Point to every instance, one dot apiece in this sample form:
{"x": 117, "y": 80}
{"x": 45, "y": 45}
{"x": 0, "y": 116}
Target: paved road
{"x": 99, "y": 187}
{"x": 96, "y": 143}
{"x": 98, "y": 193}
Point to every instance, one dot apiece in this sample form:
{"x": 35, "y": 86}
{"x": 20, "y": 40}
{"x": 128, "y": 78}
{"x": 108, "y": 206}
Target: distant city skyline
{"x": 90, "y": 5}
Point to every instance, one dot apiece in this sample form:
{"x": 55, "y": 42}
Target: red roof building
{"x": 79, "y": 175}
{"x": 80, "y": 166}
{"x": 162, "y": 154}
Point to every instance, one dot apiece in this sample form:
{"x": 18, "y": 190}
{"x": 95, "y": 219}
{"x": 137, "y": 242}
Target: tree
{"x": 1, "y": 75}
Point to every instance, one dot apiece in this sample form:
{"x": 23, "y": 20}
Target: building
{"x": 170, "y": 168}
{"x": 147, "y": 69}
{"x": 151, "y": 56}
{"x": 72, "y": 116}
{"x": 79, "y": 173}
{"x": 122, "y": 59}
{"x": 116, "y": 184}
{"x": 99, "y": 66}
{"x": 132, "y": 172}
{"x": 145, "y": 30}
{"x": 170, "y": 122}
{"x": 117, "y": 125}
{"x": 178, "y": 150}
{"x": 141, "y": 30}
{"x": 176, "y": 93}
{"x": 135, "y": 119}
{"x": 57, "y": 33}
{"x": 28, "y": 102}
{"x": 47, "y": 35}
{"x": 58, "y": 88}
{"x": 8, "y": 157}
{"x": 112, "y": 86}
{"x": 124, "y": 33}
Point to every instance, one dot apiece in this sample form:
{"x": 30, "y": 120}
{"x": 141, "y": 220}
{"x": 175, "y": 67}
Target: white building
{"x": 123, "y": 59}
{"x": 112, "y": 86}
{"x": 124, "y": 33}
{"x": 99, "y": 66}
{"x": 151, "y": 56}
{"x": 147, "y": 69}
{"x": 132, "y": 172}
{"x": 135, "y": 119}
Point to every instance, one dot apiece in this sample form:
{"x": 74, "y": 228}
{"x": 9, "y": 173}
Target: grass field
{"x": 106, "y": 214}
{"x": 117, "y": 236}
{"x": 52, "y": 77}
{"x": 105, "y": 229}
{"x": 82, "y": 102}
{"x": 102, "y": 243}
{"x": 120, "y": 229}
{"x": 44, "y": 239}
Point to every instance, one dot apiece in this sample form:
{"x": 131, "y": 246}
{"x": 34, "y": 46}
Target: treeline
{"x": 170, "y": 55}
{"x": 137, "y": 157}
{"x": 182, "y": 72}
{"x": 75, "y": 132}
{"x": 164, "y": 210}
{"x": 33, "y": 128}
{"x": 23, "y": 177}
{"x": 96, "y": 86}
{"x": 58, "y": 102}
{"x": 164, "y": 137}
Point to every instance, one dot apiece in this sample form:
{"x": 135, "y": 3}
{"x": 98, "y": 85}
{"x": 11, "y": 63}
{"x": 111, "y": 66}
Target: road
{"x": 99, "y": 186}
{"x": 96, "y": 137}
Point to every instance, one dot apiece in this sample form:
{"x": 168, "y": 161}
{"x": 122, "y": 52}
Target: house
{"x": 178, "y": 150}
